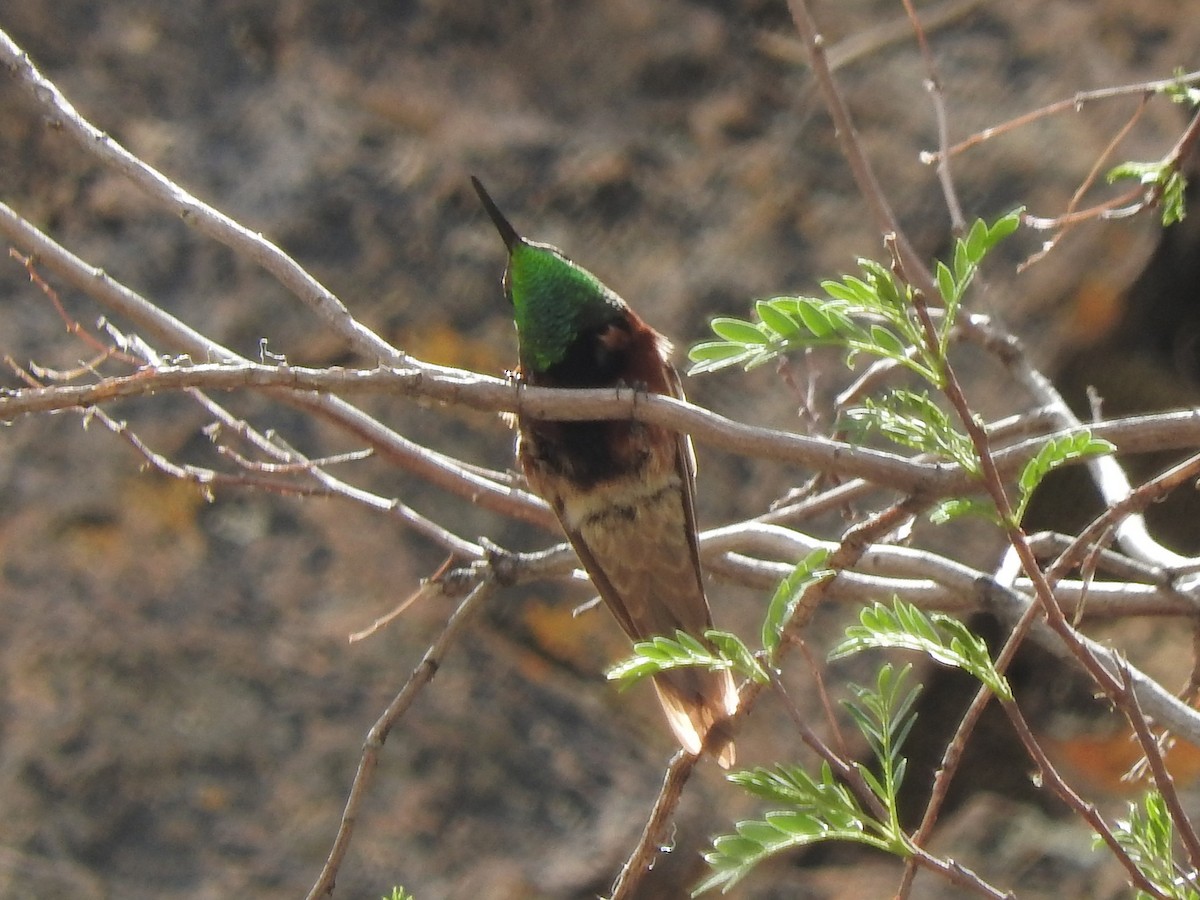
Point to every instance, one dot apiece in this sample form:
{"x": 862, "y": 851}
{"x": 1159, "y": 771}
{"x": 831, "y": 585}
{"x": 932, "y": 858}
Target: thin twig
{"x": 847, "y": 136}
{"x": 1087, "y": 182}
{"x": 1135, "y": 200}
{"x": 1110, "y": 479}
{"x": 437, "y": 468}
{"x": 421, "y": 676}
{"x": 1163, "y": 780}
{"x": 50, "y": 102}
{"x": 70, "y": 323}
{"x": 1070, "y": 104}
{"x": 1050, "y": 777}
{"x": 1137, "y": 501}
{"x": 933, "y": 84}
{"x": 867, "y": 41}
{"x": 678, "y": 772}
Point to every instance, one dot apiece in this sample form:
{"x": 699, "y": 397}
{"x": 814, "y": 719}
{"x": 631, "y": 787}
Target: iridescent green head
{"x": 553, "y": 299}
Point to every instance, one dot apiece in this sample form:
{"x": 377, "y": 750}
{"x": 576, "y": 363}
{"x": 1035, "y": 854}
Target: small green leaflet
{"x": 1165, "y": 177}
{"x": 787, "y": 595}
{"x": 662, "y": 653}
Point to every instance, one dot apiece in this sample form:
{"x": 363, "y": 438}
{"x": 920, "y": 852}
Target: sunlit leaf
{"x": 942, "y": 638}
{"x": 738, "y": 330}
{"x": 787, "y": 595}
{"x": 779, "y": 322}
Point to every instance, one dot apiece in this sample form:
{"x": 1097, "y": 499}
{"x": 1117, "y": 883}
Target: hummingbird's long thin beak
{"x": 507, "y": 233}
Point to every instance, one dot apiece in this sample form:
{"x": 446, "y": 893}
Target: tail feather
{"x": 698, "y": 705}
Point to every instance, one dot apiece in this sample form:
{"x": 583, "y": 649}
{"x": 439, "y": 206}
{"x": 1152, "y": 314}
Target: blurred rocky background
{"x": 180, "y": 711}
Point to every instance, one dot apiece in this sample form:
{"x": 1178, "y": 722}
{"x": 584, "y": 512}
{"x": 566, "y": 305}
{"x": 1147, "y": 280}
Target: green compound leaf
{"x": 957, "y": 507}
{"x": 941, "y": 637}
{"x": 730, "y": 647}
{"x": 1148, "y": 836}
{"x": 660, "y": 654}
{"x": 819, "y": 810}
{"x": 870, "y": 313}
{"x": 914, "y": 421}
{"x": 1053, "y": 455}
{"x": 1163, "y": 175}
{"x": 788, "y": 594}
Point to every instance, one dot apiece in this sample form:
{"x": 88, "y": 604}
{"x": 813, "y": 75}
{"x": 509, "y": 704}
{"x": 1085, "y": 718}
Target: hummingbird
{"x": 623, "y": 491}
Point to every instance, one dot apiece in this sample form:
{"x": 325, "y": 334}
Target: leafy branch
{"x": 1055, "y": 454}
{"x": 1148, "y": 837}
{"x": 661, "y": 654}
{"x": 821, "y": 808}
{"x": 871, "y": 315}
{"x": 942, "y": 638}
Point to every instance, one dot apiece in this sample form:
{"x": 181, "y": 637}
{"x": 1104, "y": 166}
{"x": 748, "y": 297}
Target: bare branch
{"x": 1070, "y": 104}
{"x": 649, "y": 844}
{"x": 437, "y": 468}
{"x": 49, "y": 101}
{"x": 420, "y": 677}
{"x": 469, "y": 390}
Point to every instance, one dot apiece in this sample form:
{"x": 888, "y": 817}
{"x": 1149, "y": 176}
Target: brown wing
{"x": 685, "y": 465}
{"x": 695, "y": 701}
{"x": 635, "y": 534}
{"x": 717, "y": 690}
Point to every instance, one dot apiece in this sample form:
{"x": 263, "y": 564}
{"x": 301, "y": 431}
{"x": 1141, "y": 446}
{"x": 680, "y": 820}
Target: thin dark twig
{"x": 1070, "y": 104}
{"x": 847, "y": 136}
{"x": 823, "y": 693}
{"x": 1051, "y": 778}
{"x": 1137, "y": 199}
{"x": 678, "y": 772}
{"x": 1088, "y": 181}
{"x": 70, "y": 323}
{"x": 1163, "y": 780}
{"x": 994, "y": 483}
{"x": 933, "y": 85}
{"x": 1137, "y": 501}
{"x": 839, "y": 762}
{"x": 421, "y": 676}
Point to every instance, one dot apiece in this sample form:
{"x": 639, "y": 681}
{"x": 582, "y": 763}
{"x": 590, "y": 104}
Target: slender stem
{"x": 1163, "y": 780}
{"x": 934, "y": 86}
{"x": 421, "y": 676}
{"x": 1054, "y": 781}
{"x": 678, "y": 772}
{"x": 1071, "y": 104}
